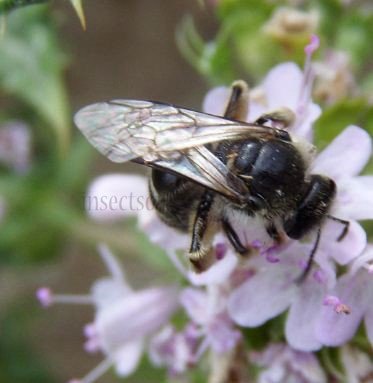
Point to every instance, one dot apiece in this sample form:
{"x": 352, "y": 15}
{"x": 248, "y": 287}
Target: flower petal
{"x": 127, "y": 357}
{"x": 217, "y": 273}
{"x": 346, "y": 155}
{"x": 195, "y": 303}
{"x": 161, "y": 234}
{"x": 349, "y": 247}
{"x": 262, "y": 297}
{"x": 116, "y": 196}
{"x": 355, "y": 198}
{"x": 334, "y": 329}
{"x": 282, "y": 86}
{"x": 216, "y": 100}
{"x": 151, "y": 307}
{"x": 302, "y": 315}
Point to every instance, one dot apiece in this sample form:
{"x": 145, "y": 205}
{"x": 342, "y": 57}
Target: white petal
{"x": 195, "y": 302}
{"x": 334, "y": 329}
{"x": 161, "y": 234}
{"x": 349, "y": 247}
{"x": 355, "y": 198}
{"x": 134, "y": 316}
{"x": 217, "y": 273}
{"x": 304, "y": 129}
{"x": 282, "y": 86}
{"x": 216, "y": 100}
{"x": 127, "y": 358}
{"x": 106, "y": 291}
{"x": 264, "y": 296}
{"x": 303, "y": 312}
{"x": 346, "y": 155}
{"x": 116, "y": 196}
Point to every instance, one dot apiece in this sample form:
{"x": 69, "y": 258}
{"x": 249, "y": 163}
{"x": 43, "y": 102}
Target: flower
{"x": 342, "y": 160}
{"x": 123, "y": 318}
{"x": 354, "y": 290}
{"x": 274, "y": 286}
{"x": 284, "y": 86}
{"x": 281, "y": 364}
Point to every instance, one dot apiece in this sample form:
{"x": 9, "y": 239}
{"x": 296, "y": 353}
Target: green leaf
{"x": 9, "y": 5}
{"x": 31, "y": 69}
{"x": 338, "y": 116}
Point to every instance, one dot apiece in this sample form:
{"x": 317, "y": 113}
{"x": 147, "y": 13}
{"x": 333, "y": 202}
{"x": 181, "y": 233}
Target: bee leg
{"x": 308, "y": 267}
{"x": 203, "y": 229}
{"x": 282, "y": 118}
{"x": 238, "y": 103}
{"x": 234, "y": 239}
{"x": 275, "y": 234}
{"x": 343, "y": 222}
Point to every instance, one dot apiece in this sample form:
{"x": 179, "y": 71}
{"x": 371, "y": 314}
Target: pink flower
{"x": 124, "y": 318}
{"x": 343, "y": 160}
{"x": 274, "y": 286}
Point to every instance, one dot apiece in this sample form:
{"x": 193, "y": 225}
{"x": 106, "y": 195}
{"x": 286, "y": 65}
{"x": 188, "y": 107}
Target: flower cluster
{"x": 233, "y": 294}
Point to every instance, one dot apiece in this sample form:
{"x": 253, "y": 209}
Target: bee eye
{"x": 164, "y": 181}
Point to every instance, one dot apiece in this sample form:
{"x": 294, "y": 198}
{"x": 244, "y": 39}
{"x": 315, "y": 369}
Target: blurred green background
{"x": 127, "y": 51}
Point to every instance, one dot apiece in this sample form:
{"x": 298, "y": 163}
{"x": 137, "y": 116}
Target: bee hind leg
{"x": 201, "y": 254}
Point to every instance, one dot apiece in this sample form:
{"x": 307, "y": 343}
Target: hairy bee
{"x": 207, "y": 170}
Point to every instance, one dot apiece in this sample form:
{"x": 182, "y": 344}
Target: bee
{"x": 209, "y": 171}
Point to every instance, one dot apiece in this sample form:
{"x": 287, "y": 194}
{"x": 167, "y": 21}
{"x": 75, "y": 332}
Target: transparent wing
{"x": 126, "y": 129}
{"x": 168, "y": 137}
{"x": 202, "y": 167}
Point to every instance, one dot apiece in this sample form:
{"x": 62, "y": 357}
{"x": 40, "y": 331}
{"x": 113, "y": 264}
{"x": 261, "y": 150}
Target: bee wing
{"x": 201, "y": 166}
{"x": 123, "y": 130}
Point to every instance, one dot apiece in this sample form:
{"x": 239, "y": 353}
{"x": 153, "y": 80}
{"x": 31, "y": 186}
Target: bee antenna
{"x": 343, "y": 222}
{"x": 307, "y": 269}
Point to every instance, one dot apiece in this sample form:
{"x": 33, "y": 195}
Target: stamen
{"x": 90, "y": 330}
{"x": 110, "y": 262}
{"x": 220, "y": 251}
{"x": 269, "y": 254}
{"x": 308, "y": 77}
{"x": 338, "y": 306}
{"x": 46, "y": 298}
{"x": 96, "y": 373}
{"x": 319, "y": 276}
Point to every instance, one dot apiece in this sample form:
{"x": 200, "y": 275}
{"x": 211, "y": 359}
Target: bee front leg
{"x": 203, "y": 229}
